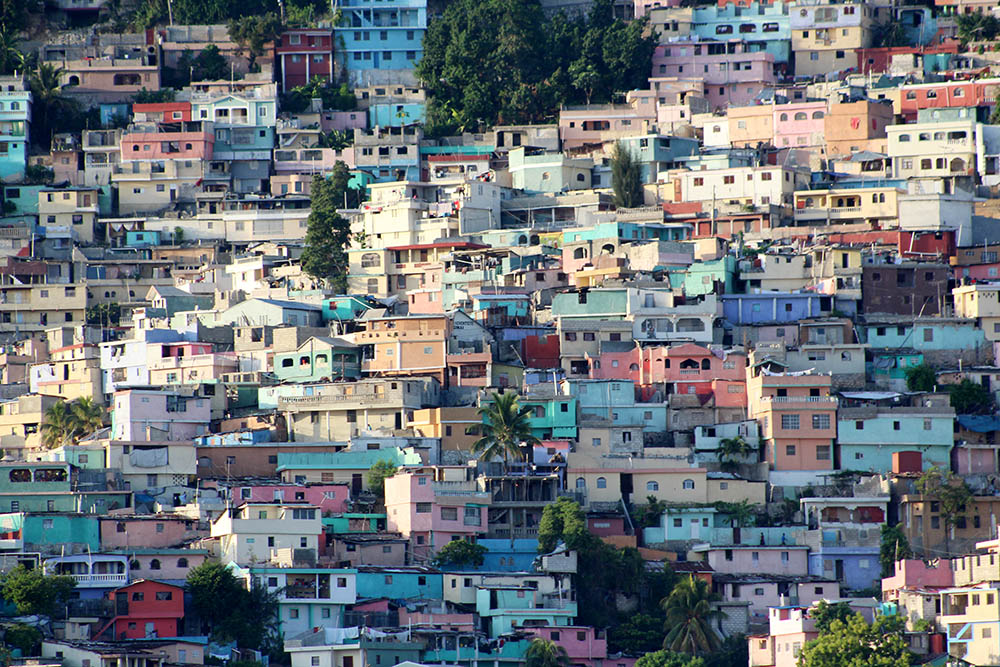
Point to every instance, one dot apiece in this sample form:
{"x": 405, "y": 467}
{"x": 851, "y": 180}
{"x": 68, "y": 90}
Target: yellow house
{"x": 874, "y": 206}
{"x": 70, "y": 208}
{"x": 71, "y": 372}
{"x": 457, "y": 428}
{"x": 980, "y": 301}
{"x": 19, "y": 423}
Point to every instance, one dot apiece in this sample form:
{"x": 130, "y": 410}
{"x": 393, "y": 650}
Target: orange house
{"x": 408, "y": 345}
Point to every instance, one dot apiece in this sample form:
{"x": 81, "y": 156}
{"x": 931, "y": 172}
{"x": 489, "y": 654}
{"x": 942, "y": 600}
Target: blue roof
{"x": 979, "y": 423}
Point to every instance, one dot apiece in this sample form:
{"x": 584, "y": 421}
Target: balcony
{"x": 830, "y": 400}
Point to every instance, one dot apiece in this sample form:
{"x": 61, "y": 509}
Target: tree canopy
{"x": 855, "y": 643}
{"x": 691, "y": 612}
{"x": 34, "y": 592}
{"x": 663, "y": 658}
{"x": 971, "y": 398}
{"x": 377, "y": 474}
{"x": 626, "y": 180}
{"x": 894, "y": 546}
{"x": 328, "y": 232}
{"x": 920, "y": 378}
{"x": 505, "y": 428}
{"x": 489, "y": 62}
{"x": 230, "y": 611}
{"x": 460, "y": 553}
{"x": 545, "y": 653}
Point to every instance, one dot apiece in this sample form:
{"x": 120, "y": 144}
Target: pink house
{"x": 789, "y": 629}
{"x": 431, "y": 513}
{"x": 732, "y": 75}
{"x": 789, "y": 560}
{"x": 344, "y": 120}
{"x": 917, "y": 574}
{"x": 584, "y": 645}
{"x": 425, "y": 301}
{"x": 329, "y": 498}
{"x": 597, "y": 123}
{"x": 149, "y": 531}
{"x": 163, "y": 564}
{"x": 799, "y": 124}
{"x": 143, "y": 415}
{"x": 425, "y": 619}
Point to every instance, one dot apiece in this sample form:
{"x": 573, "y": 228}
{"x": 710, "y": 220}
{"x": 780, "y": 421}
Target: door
{"x": 695, "y": 532}
{"x": 839, "y": 570}
{"x": 150, "y": 629}
{"x": 355, "y": 486}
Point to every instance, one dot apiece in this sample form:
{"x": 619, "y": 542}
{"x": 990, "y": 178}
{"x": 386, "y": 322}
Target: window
{"x": 789, "y": 422}
{"x": 164, "y": 595}
{"x": 652, "y": 486}
{"x": 789, "y": 450}
{"x": 678, "y": 523}
{"x": 821, "y": 422}
{"x": 138, "y": 597}
{"x": 154, "y": 564}
{"x": 688, "y": 484}
{"x": 314, "y": 661}
{"x": 823, "y": 452}
{"x": 182, "y": 562}
{"x": 423, "y": 508}
{"x": 602, "y": 483}
{"x": 449, "y": 514}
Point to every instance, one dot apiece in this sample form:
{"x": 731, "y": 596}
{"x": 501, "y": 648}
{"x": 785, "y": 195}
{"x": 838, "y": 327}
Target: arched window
{"x": 875, "y": 198}
{"x": 817, "y": 115}
{"x": 303, "y": 361}
{"x": 652, "y": 486}
{"x": 74, "y": 80}
{"x": 372, "y": 286}
{"x": 133, "y": 565}
{"x": 370, "y": 259}
{"x": 595, "y": 364}
{"x": 958, "y": 164}
{"x": 689, "y": 484}
{"x": 154, "y": 564}
{"x": 320, "y": 358}
{"x": 633, "y": 367}
{"x": 689, "y": 364}
{"x": 924, "y": 136}
{"x": 287, "y": 363}
{"x": 783, "y": 117}
{"x": 903, "y": 138}
{"x": 881, "y": 198}
{"x": 602, "y": 483}
{"x": 182, "y": 562}
{"x": 581, "y": 483}
{"x": 580, "y": 178}
{"x": 706, "y": 365}
{"x": 580, "y": 253}
{"x": 607, "y": 249}
{"x": 522, "y": 239}
{"x": 534, "y": 239}
{"x": 801, "y": 115}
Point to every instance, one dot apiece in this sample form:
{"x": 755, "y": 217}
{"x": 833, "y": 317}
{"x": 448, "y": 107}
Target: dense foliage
{"x": 626, "y": 179}
{"x": 35, "y": 593}
{"x": 377, "y": 474}
{"x": 894, "y": 546}
{"x": 855, "y": 643}
{"x": 460, "y": 553}
{"x": 490, "y": 62}
{"x": 505, "y": 429}
{"x": 231, "y": 612}
{"x": 328, "y": 232}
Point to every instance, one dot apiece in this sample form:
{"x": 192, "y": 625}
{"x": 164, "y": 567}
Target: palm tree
{"x": 505, "y": 428}
{"x": 732, "y": 450}
{"x": 56, "y": 425}
{"x": 545, "y": 653}
{"x": 47, "y": 99}
{"x": 690, "y": 611}
{"x": 86, "y": 417}
{"x": 11, "y": 58}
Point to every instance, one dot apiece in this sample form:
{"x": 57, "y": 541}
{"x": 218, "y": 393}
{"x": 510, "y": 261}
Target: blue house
{"x": 615, "y": 400}
{"x": 15, "y": 117}
{"x": 774, "y": 307}
{"x": 396, "y": 115}
{"x": 380, "y": 41}
{"x": 400, "y": 583}
{"x": 764, "y": 27}
{"x": 656, "y": 153}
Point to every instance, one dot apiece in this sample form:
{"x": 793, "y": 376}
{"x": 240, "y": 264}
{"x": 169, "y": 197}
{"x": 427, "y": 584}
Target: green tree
{"x": 732, "y": 451}
{"x": 742, "y": 514}
{"x": 545, "y": 653}
{"x": 690, "y": 610}
{"x": 253, "y": 32}
{"x": 24, "y": 637}
{"x": 230, "y": 611}
{"x": 951, "y": 491}
{"x": 33, "y": 592}
{"x": 855, "y": 643}
{"x": 921, "y": 378}
{"x": 327, "y": 236}
{"x": 57, "y": 425}
{"x": 211, "y": 65}
{"x": 825, "y": 614}
{"x": 562, "y": 521}
{"x": 85, "y": 417}
{"x": 214, "y": 591}
{"x": 971, "y": 398}
{"x": 894, "y": 547}
{"x": 38, "y": 174}
{"x": 155, "y": 96}
{"x": 48, "y": 104}
{"x": 15, "y": 15}
{"x": 104, "y": 314}
{"x": 977, "y": 26}
{"x": 995, "y": 114}
{"x": 458, "y": 553}
{"x": 377, "y": 474}
{"x": 639, "y": 633}
{"x": 626, "y": 179}
{"x": 663, "y": 658}
{"x": 505, "y": 429}
{"x": 585, "y": 78}
{"x": 650, "y": 513}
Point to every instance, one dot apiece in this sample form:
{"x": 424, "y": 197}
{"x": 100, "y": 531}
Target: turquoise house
{"x": 764, "y": 27}
{"x": 702, "y": 277}
{"x": 23, "y": 198}
{"x": 605, "y": 304}
{"x": 54, "y": 487}
{"x": 81, "y": 532}
{"x": 400, "y": 583}
{"x": 628, "y": 231}
{"x": 552, "y": 418}
{"x": 926, "y": 335}
{"x": 615, "y": 400}
{"x": 396, "y": 115}
{"x": 15, "y": 117}
{"x": 682, "y": 524}
{"x": 354, "y": 522}
{"x": 888, "y": 367}
{"x": 345, "y": 308}
{"x": 501, "y": 608}
{"x": 870, "y": 431}
{"x": 321, "y": 358}
{"x": 142, "y": 239}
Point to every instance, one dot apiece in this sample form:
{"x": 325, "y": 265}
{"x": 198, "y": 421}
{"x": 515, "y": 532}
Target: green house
{"x": 319, "y": 358}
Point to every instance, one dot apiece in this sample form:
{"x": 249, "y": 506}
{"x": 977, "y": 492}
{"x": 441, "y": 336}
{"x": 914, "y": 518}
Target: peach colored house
{"x": 194, "y": 142}
{"x": 597, "y": 123}
{"x": 431, "y": 513}
{"x": 426, "y": 301}
{"x": 329, "y": 498}
{"x": 799, "y": 124}
{"x": 412, "y": 345}
{"x": 789, "y": 629}
{"x": 798, "y": 418}
{"x": 149, "y": 531}
{"x": 188, "y": 363}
